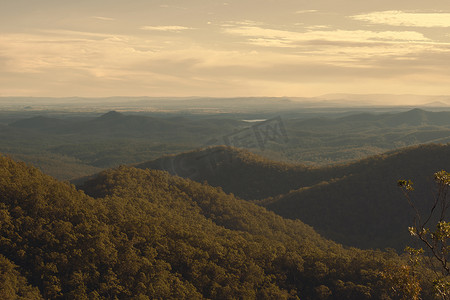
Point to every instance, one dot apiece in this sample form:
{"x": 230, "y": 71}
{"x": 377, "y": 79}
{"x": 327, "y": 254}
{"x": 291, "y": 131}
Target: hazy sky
{"x": 223, "y": 48}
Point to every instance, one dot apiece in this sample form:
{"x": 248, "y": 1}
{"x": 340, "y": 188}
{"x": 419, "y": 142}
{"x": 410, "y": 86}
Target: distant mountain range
{"x": 117, "y": 124}
{"x": 413, "y": 117}
{"x": 85, "y": 142}
{"x": 224, "y": 105}
{"x": 387, "y": 99}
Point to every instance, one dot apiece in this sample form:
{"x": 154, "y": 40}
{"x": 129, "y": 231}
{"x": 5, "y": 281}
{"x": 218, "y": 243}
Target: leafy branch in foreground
{"x": 433, "y": 230}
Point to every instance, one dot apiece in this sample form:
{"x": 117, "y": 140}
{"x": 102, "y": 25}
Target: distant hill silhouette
{"x": 117, "y": 124}
{"x": 436, "y": 104}
{"x": 412, "y": 117}
{"x": 112, "y": 115}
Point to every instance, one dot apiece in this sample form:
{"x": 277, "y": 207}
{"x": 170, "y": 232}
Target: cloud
{"x": 306, "y": 11}
{"x": 408, "y": 19}
{"x": 242, "y": 23}
{"x": 315, "y": 27}
{"x": 271, "y": 42}
{"x": 359, "y": 49}
{"x": 288, "y": 60}
{"x": 63, "y": 35}
{"x": 104, "y": 18}
{"x": 172, "y": 6}
{"x": 283, "y": 38}
{"x": 59, "y": 49}
{"x": 165, "y": 28}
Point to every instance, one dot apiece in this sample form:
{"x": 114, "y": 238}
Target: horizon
{"x": 326, "y": 100}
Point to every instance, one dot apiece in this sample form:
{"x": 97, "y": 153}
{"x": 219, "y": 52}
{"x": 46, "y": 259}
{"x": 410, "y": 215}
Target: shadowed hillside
{"x": 237, "y": 171}
{"x": 84, "y": 142}
{"x": 146, "y": 234}
{"x": 356, "y": 204}
{"x": 366, "y": 208}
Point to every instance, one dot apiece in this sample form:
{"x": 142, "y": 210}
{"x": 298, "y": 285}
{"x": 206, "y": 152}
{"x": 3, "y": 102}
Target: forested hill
{"x": 357, "y": 204}
{"x": 365, "y": 208}
{"x": 145, "y": 234}
{"x": 238, "y": 171}
{"x": 251, "y": 176}
{"x": 71, "y": 145}
{"x": 116, "y": 124}
{"x": 413, "y": 117}
{"x": 245, "y": 174}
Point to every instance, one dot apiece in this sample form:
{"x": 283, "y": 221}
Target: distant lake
{"x": 256, "y": 120}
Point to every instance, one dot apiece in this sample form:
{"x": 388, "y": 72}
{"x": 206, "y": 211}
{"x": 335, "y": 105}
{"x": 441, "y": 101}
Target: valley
{"x": 292, "y": 205}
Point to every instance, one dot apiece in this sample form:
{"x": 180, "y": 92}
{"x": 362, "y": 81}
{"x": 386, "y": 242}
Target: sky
{"x": 101, "y": 48}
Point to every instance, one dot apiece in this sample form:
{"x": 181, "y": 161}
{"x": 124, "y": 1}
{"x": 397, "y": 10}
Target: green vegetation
{"x": 432, "y": 229}
{"x": 356, "y": 204}
{"x": 144, "y": 234}
{"x": 324, "y": 141}
{"x": 13, "y": 285}
{"x": 362, "y": 208}
{"x": 220, "y": 231}
{"x": 74, "y": 147}
{"x": 86, "y": 142}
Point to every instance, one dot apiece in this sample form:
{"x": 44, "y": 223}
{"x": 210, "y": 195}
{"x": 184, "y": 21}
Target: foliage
{"x": 335, "y": 200}
{"x": 365, "y": 195}
{"x": 81, "y": 141}
{"x": 433, "y": 230}
{"x": 145, "y": 234}
{"x": 404, "y": 283}
{"x": 13, "y": 286}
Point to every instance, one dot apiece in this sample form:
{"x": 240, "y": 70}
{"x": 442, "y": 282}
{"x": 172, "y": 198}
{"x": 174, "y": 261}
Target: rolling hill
{"x": 365, "y": 208}
{"x": 140, "y": 234}
{"x": 115, "y": 138}
{"x": 116, "y": 124}
{"x": 356, "y": 204}
{"x": 237, "y": 171}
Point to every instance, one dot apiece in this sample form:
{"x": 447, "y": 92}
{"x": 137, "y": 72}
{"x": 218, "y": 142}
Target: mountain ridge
{"x": 147, "y": 234}
{"x": 367, "y": 186}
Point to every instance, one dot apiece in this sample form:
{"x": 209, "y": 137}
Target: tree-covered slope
{"x": 238, "y": 171}
{"x": 13, "y": 285}
{"x": 77, "y": 142}
{"x": 356, "y": 204}
{"x": 365, "y": 208}
{"x": 144, "y": 234}
{"x": 116, "y": 124}
{"x": 327, "y": 140}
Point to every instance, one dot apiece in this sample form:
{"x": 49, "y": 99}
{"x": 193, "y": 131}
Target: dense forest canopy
{"x": 189, "y": 218}
{"x": 345, "y": 203}
{"x": 146, "y": 234}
